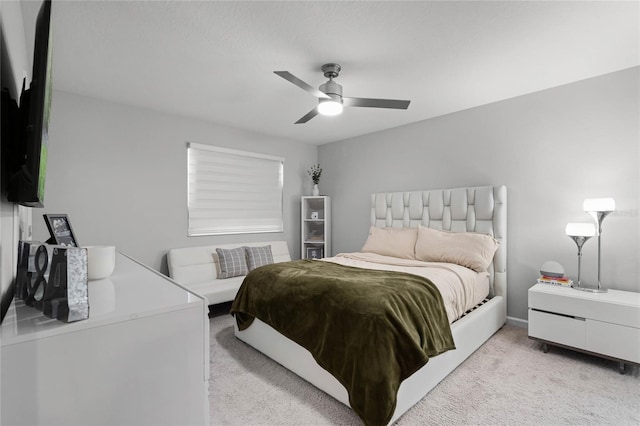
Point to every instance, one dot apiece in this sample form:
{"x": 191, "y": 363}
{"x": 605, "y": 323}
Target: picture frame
{"x": 60, "y": 229}
{"x": 315, "y": 253}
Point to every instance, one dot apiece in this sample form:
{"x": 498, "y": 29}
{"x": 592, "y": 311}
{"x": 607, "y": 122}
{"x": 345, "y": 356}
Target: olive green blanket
{"x": 369, "y": 329}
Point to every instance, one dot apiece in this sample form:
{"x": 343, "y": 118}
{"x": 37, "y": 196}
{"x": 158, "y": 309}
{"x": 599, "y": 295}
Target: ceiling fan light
{"x": 329, "y": 107}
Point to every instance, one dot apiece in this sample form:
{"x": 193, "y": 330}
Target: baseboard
{"x": 517, "y": 322}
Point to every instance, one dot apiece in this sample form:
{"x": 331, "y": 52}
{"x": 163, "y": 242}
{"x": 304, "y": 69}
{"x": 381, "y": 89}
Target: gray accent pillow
{"x": 258, "y": 256}
{"x": 233, "y": 262}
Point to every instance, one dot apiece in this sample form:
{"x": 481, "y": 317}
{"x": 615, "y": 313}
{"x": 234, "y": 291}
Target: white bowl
{"x": 101, "y": 260}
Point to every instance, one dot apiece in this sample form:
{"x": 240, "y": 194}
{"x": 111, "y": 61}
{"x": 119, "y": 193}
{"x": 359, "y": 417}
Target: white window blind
{"x": 233, "y": 192}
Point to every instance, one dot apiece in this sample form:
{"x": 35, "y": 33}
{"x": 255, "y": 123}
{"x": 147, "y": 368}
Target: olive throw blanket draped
{"x": 369, "y": 329}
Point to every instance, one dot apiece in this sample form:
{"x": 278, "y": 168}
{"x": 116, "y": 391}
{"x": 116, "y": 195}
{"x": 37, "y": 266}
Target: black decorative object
{"x": 26, "y": 249}
{"x": 60, "y": 229}
{"x": 53, "y": 279}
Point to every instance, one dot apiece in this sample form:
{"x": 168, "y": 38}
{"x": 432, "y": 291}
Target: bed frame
{"x": 474, "y": 209}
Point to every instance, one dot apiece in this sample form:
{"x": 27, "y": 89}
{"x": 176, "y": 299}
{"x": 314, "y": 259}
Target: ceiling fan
{"x": 330, "y": 99}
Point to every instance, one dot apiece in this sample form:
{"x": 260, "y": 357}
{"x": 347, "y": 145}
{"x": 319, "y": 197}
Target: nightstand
{"x": 602, "y": 324}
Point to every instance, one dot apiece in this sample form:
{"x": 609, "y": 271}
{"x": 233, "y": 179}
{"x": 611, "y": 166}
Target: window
{"x": 233, "y": 192}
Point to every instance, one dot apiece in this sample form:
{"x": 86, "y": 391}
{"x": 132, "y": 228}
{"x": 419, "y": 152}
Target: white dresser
{"x": 604, "y": 324}
{"x": 142, "y": 357}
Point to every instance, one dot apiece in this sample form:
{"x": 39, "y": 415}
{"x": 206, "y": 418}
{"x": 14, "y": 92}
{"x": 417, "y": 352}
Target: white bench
{"x": 196, "y": 268}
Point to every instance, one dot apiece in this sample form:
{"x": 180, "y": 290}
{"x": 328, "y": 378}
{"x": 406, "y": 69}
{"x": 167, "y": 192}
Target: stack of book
{"x": 563, "y": 281}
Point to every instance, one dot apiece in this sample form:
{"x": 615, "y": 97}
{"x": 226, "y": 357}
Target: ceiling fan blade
{"x": 375, "y": 103}
{"x": 301, "y": 84}
{"x": 308, "y": 116}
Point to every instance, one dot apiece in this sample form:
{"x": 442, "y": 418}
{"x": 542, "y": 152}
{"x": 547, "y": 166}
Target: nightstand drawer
{"x": 557, "y": 328}
{"x": 613, "y": 340}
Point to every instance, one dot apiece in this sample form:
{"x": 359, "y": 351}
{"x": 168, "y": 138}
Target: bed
{"x": 463, "y": 211}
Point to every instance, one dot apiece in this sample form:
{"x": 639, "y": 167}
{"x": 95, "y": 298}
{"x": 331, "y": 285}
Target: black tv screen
{"x": 29, "y": 168}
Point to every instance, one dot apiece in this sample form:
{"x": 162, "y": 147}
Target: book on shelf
{"x": 563, "y": 281}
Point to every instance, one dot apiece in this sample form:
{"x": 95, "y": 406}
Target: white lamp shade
{"x": 329, "y": 107}
{"x": 580, "y": 229}
{"x": 599, "y": 205}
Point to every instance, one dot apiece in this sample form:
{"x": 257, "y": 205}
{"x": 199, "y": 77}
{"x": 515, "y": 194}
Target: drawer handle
{"x": 560, "y": 315}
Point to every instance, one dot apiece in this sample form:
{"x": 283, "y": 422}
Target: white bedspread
{"x": 461, "y": 288}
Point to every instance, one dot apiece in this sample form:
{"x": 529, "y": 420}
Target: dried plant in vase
{"x": 315, "y": 172}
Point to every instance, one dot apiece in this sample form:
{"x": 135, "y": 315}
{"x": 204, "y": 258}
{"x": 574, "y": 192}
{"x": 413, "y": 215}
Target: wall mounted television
{"x": 25, "y": 129}
{"x": 29, "y": 148}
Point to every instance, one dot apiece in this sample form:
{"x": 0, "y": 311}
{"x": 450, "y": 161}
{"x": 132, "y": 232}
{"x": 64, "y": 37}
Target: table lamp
{"x": 580, "y": 233}
{"x": 599, "y": 208}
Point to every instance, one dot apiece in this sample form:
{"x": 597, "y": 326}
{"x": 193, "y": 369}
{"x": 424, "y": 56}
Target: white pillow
{"x": 472, "y": 250}
{"x": 396, "y": 242}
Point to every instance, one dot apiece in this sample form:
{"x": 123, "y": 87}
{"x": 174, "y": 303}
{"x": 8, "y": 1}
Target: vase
{"x": 316, "y": 190}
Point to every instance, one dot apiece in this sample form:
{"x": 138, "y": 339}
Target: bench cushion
{"x": 223, "y": 291}
{"x": 197, "y": 268}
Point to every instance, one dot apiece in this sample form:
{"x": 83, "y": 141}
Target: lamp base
{"x": 592, "y": 289}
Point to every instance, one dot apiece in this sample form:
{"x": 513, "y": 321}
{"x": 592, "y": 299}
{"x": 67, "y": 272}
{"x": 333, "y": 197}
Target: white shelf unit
{"x": 316, "y": 227}
{"x": 603, "y": 324}
{"x": 142, "y": 356}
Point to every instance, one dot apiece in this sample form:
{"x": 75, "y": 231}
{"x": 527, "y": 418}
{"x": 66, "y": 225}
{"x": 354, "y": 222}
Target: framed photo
{"x": 314, "y": 253}
{"x": 60, "y": 230}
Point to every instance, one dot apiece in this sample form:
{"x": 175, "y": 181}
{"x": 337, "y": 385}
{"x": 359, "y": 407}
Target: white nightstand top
{"x": 611, "y": 296}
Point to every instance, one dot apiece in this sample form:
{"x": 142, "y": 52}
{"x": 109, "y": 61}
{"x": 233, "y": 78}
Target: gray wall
{"x": 551, "y": 149}
{"x": 120, "y": 173}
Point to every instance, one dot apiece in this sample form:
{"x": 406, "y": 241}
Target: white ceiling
{"x": 215, "y": 60}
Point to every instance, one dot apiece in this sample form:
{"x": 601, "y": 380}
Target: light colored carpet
{"x": 508, "y": 381}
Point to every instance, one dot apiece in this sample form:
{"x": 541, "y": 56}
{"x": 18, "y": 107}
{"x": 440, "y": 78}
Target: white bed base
{"x": 469, "y": 332}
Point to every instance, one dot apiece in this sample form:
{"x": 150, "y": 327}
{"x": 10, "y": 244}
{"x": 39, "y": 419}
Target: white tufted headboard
{"x": 475, "y": 209}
